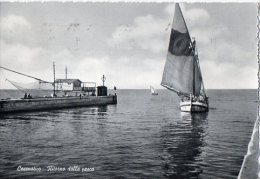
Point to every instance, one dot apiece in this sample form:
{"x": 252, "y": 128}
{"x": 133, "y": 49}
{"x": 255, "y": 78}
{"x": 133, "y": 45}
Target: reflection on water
{"x": 182, "y": 145}
{"x": 102, "y": 110}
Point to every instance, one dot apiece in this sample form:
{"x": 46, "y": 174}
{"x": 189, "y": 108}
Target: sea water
{"x": 143, "y": 136}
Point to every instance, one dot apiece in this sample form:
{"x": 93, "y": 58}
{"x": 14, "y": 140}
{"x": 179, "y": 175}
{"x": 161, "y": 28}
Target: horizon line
{"x": 147, "y": 89}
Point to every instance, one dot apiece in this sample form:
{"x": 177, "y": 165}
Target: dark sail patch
{"x": 180, "y": 44}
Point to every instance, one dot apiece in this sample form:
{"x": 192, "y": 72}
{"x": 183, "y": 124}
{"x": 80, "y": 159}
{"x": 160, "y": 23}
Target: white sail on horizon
{"x": 152, "y": 89}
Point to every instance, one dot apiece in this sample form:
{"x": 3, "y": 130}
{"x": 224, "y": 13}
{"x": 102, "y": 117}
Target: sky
{"x": 127, "y": 42}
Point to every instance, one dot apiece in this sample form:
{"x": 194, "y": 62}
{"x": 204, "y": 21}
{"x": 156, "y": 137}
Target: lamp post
{"x": 103, "y": 78}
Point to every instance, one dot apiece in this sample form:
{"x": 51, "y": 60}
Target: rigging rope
{"x": 30, "y": 86}
{"x": 18, "y": 87}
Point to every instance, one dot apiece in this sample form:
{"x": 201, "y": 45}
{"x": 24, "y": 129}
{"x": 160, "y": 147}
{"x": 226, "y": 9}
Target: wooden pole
{"x": 25, "y": 75}
{"x": 54, "y": 79}
{"x": 66, "y": 72}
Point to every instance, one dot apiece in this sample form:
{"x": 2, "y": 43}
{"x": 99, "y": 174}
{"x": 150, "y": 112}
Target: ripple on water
{"x": 143, "y": 136}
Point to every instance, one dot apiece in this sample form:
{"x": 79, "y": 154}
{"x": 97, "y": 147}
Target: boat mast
{"x": 54, "y": 79}
{"x": 193, "y": 77}
{"x": 193, "y": 44}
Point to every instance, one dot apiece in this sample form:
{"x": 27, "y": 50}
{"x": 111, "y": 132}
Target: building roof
{"x": 67, "y": 80}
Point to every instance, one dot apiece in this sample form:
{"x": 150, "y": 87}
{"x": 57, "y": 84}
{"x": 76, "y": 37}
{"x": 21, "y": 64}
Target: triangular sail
{"x": 181, "y": 72}
{"x": 197, "y": 78}
{"x": 152, "y": 89}
{"x": 199, "y": 85}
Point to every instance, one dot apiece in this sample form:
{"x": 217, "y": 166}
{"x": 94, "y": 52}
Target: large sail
{"x": 181, "y": 72}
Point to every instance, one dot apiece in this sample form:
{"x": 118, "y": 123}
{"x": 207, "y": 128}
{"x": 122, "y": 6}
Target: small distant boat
{"x": 182, "y": 73}
{"x": 153, "y": 91}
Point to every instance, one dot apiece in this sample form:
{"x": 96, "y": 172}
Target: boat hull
{"x": 154, "y": 93}
{"x": 36, "y": 104}
{"x": 188, "y": 106}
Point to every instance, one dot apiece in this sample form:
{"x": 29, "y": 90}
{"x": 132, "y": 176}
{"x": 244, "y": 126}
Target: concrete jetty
{"x": 22, "y": 105}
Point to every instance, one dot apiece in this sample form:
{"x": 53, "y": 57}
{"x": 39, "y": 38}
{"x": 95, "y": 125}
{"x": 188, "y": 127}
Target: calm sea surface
{"x": 143, "y": 136}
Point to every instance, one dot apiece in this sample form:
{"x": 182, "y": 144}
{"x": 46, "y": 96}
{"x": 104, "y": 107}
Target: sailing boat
{"x": 153, "y": 91}
{"x": 182, "y": 73}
